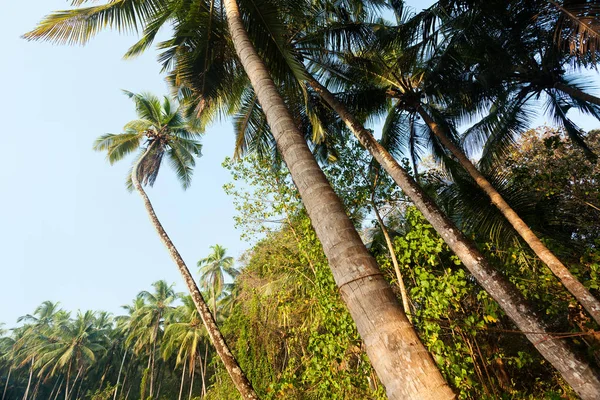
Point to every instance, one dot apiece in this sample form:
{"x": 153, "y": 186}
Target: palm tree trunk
{"x": 589, "y": 302}
{"x": 575, "y": 371}
{"x": 235, "y": 372}
{"x": 576, "y": 93}
{"x": 7, "y": 381}
{"x": 60, "y": 380}
{"x": 203, "y": 367}
{"x": 36, "y": 388}
{"x": 80, "y": 383}
{"x": 192, "y": 382}
{"x": 67, "y": 381}
{"x": 390, "y": 246}
{"x": 58, "y": 391}
{"x": 119, "y": 375}
{"x": 182, "y": 378}
{"x": 153, "y": 358}
{"x": 403, "y": 364}
{"x": 74, "y": 383}
{"x": 29, "y": 381}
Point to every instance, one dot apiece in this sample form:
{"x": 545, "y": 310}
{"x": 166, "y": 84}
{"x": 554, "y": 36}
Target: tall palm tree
{"x": 185, "y": 338}
{"x": 71, "y": 349}
{"x": 354, "y": 269}
{"x": 397, "y": 354}
{"x": 166, "y": 130}
{"x": 212, "y": 269}
{"x": 418, "y": 86}
{"x": 148, "y": 323}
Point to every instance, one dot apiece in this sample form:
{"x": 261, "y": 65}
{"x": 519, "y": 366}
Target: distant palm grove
{"x": 412, "y": 232}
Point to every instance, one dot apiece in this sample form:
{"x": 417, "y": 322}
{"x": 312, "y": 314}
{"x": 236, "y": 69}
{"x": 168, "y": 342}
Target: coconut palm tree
{"x": 397, "y": 354}
{"x": 147, "y": 324}
{"x": 212, "y": 270}
{"x": 418, "y": 87}
{"x": 185, "y": 338}
{"x": 71, "y": 349}
{"x": 505, "y": 293}
{"x": 162, "y": 129}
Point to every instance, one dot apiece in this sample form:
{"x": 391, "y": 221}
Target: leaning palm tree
{"x": 212, "y": 270}
{"x": 163, "y": 130}
{"x": 395, "y": 350}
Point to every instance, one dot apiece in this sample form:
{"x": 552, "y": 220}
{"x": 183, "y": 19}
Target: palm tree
{"x": 167, "y": 131}
{"x": 147, "y": 323}
{"x": 416, "y": 87}
{"x": 397, "y": 354}
{"x": 71, "y": 349}
{"x": 185, "y": 338}
{"x": 211, "y": 272}
{"x": 354, "y": 269}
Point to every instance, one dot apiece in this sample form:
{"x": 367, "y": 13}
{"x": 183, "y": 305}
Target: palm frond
{"x": 117, "y": 146}
{"x": 78, "y": 26}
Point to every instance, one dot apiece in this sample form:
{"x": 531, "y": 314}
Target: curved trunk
{"x": 575, "y": 371}
{"x": 401, "y": 361}
{"x": 576, "y": 288}
{"x": 576, "y": 93}
{"x": 235, "y": 372}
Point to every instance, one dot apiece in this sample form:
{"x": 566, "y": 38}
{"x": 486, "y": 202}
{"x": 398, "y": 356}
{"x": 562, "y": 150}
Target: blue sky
{"x": 71, "y": 232}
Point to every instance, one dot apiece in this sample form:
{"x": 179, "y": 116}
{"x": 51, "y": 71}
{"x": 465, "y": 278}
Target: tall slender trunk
{"x": 235, "y": 372}
{"x": 58, "y": 391}
{"x": 60, "y": 380}
{"x": 67, "y": 381}
{"x": 402, "y": 363}
{"x": 119, "y": 375}
{"x": 589, "y": 302}
{"x": 576, "y": 93}
{"x": 80, "y": 383}
{"x": 390, "y": 246}
{"x": 7, "y": 381}
{"x": 575, "y": 371}
{"x": 192, "y": 382}
{"x": 29, "y": 381}
{"x": 182, "y": 378}
{"x": 153, "y": 358}
{"x": 67, "y": 397}
{"x": 203, "y": 367}
{"x": 36, "y": 388}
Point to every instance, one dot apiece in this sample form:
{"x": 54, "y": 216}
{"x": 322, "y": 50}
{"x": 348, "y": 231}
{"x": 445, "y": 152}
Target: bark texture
{"x": 401, "y": 361}
{"x": 578, "y": 373}
{"x": 576, "y": 288}
{"x": 231, "y": 365}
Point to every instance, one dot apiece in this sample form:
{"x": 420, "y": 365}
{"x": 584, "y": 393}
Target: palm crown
{"x": 161, "y": 129}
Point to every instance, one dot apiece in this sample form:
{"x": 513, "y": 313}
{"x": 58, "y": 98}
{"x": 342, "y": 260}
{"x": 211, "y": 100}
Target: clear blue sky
{"x": 70, "y": 231}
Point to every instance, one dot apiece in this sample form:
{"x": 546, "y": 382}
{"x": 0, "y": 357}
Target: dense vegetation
{"x": 395, "y": 267}
{"x": 282, "y": 314}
